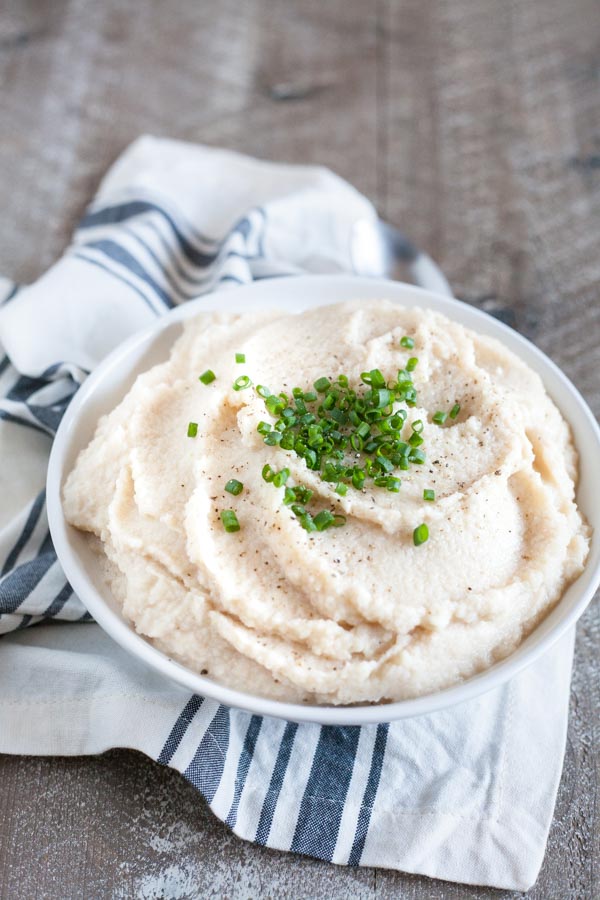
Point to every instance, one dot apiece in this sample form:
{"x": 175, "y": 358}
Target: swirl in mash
{"x": 352, "y": 614}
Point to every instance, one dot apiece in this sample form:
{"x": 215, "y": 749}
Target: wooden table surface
{"x": 472, "y": 124}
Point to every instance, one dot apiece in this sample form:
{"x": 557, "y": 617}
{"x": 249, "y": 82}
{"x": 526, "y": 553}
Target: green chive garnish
{"x": 323, "y": 520}
{"x": 407, "y": 342}
{"x": 307, "y": 522}
{"x": 207, "y": 376}
{"x": 241, "y": 383}
{"x": 440, "y": 417}
{"x": 280, "y": 478}
{"x": 348, "y": 435}
{"x": 268, "y": 473}
{"x": 321, "y": 385}
{"x": 455, "y": 411}
{"x": 234, "y": 487}
{"x": 429, "y": 494}
{"x": 192, "y": 429}
{"x": 240, "y": 357}
{"x": 420, "y": 534}
{"x": 229, "y": 520}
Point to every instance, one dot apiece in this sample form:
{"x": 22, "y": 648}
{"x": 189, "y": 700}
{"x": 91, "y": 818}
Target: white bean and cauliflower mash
{"x": 361, "y": 503}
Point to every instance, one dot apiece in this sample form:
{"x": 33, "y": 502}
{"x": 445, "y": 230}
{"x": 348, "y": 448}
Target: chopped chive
{"x": 382, "y": 397}
{"x": 263, "y": 428}
{"x": 341, "y": 489}
{"x": 455, "y": 411}
{"x": 309, "y": 397}
{"x": 241, "y": 383}
{"x": 272, "y": 438}
{"x": 393, "y": 484}
{"x": 407, "y": 342}
{"x": 416, "y": 456}
{"x": 307, "y": 522}
{"x": 207, "y": 376}
{"x": 323, "y": 520}
{"x": 230, "y": 521}
{"x": 268, "y": 473}
{"x": 417, "y": 426}
{"x": 192, "y": 429}
{"x": 321, "y": 385}
{"x": 303, "y": 493}
{"x": 263, "y": 391}
{"x": 240, "y": 357}
{"x": 377, "y": 379}
{"x": 275, "y": 405}
{"x": 429, "y": 494}
{"x": 420, "y": 534}
{"x": 356, "y": 442}
{"x": 280, "y": 478}
{"x": 440, "y": 417}
{"x": 358, "y": 479}
{"x": 412, "y": 364}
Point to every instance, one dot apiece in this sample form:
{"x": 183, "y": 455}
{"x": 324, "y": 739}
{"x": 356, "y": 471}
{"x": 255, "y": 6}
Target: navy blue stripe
{"x": 59, "y": 601}
{"x": 18, "y": 584}
{"x": 232, "y": 278}
{"x": 172, "y": 262}
{"x": 11, "y": 294}
{"x": 206, "y": 768}
{"x": 179, "y": 729}
{"x": 24, "y": 387}
{"x": 50, "y": 416}
{"x": 24, "y": 623}
{"x": 325, "y": 794}
{"x": 4, "y": 364}
{"x": 270, "y": 277}
{"x": 9, "y": 417}
{"x": 194, "y": 282}
{"x": 96, "y": 262}
{"x": 65, "y": 370}
{"x": 114, "y": 214}
{"x": 243, "y": 767}
{"x": 122, "y": 256}
{"x": 270, "y": 802}
{"x": 86, "y": 617}
{"x": 364, "y": 816}
{"x": 32, "y": 520}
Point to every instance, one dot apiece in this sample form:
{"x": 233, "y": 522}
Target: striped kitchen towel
{"x": 466, "y": 794}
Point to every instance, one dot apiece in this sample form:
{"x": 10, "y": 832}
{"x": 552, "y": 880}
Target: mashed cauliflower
{"x": 355, "y": 613}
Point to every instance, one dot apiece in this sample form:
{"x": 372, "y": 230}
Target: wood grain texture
{"x": 472, "y": 124}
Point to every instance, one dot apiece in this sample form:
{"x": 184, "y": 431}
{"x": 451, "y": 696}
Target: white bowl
{"x": 104, "y": 389}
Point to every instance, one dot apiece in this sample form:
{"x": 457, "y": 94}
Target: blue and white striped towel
{"x": 466, "y": 794}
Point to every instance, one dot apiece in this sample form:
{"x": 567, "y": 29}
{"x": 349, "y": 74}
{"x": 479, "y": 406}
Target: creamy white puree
{"x": 352, "y": 614}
